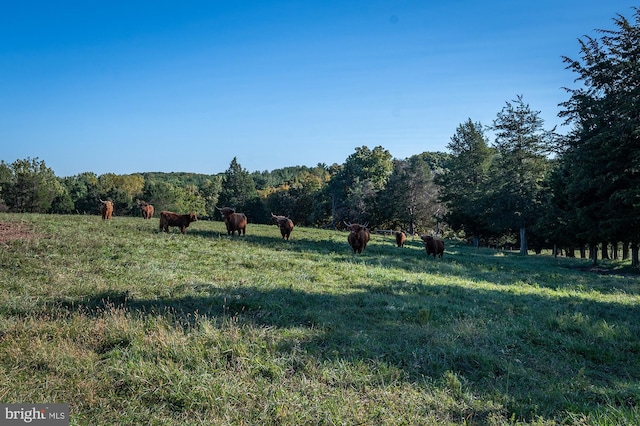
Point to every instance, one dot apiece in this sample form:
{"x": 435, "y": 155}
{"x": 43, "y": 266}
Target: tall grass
{"x": 133, "y": 326}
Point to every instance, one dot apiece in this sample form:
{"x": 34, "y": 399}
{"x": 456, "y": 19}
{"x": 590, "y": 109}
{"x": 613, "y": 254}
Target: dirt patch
{"x": 11, "y": 231}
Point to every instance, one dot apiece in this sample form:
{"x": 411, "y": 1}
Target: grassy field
{"x": 132, "y": 326}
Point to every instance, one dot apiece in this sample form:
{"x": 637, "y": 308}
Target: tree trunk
{"x": 625, "y": 250}
{"x": 605, "y": 251}
{"x": 523, "y": 240}
{"x": 476, "y": 241}
{"x": 583, "y": 252}
{"x": 593, "y": 253}
{"x": 634, "y": 255}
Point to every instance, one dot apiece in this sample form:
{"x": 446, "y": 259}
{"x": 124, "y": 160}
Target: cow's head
{"x": 354, "y": 228}
{"x": 226, "y": 211}
{"x": 280, "y": 220}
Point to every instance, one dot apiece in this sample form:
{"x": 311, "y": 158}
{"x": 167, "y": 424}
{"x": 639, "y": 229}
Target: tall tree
{"x": 239, "y": 191}
{"x": 410, "y": 199}
{"x": 519, "y": 170}
{"x": 31, "y": 187}
{"x": 238, "y": 186}
{"x": 210, "y": 191}
{"x": 354, "y": 187}
{"x": 463, "y": 181}
{"x": 604, "y": 152}
{"x": 83, "y": 190}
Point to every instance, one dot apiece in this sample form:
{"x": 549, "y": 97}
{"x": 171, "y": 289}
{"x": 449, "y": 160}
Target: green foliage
{"x": 132, "y": 326}
{"x": 84, "y": 192}
{"x": 410, "y": 199}
{"x": 29, "y": 186}
{"x": 238, "y": 188}
{"x": 518, "y": 171}
{"x": 601, "y": 156}
{"x": 374, "y": 166}
{"x": 188, "y": 199}
{"x": 354, "y": 187}
{"x": 63, "y": 203}
{"x": 287, "y": 175}
{"x": 123, "y": 190}
{"x": 464, "y": 182}
{"x": 180, "y": 178}
{"x": 209, "y": 190}
{"x": 179, "y": 199}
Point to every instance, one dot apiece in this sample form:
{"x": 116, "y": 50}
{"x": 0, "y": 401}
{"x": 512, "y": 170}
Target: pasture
{"x": 130, "y": 325}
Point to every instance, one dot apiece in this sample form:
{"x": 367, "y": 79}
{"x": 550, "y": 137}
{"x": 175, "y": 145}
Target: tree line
{"x": 357, "y": 190}
{"x": 529, "y": 187}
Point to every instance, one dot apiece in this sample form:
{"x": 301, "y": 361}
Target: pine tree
{"x": 463, "y": 181}
{"x": 604, "y": 151}
{"x": 238, "y": 188}
{"x": 519, "y": 170}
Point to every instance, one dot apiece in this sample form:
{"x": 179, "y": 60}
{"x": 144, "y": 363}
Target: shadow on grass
{"x": 502, "y": 268}
{"x": 540, "y": 356}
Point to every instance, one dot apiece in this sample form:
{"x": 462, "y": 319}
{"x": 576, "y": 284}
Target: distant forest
{"x": 529, "y": 187}
{"x": 311, "y": 196}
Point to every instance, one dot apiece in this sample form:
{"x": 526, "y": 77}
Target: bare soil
{"x": 11, "y": 231}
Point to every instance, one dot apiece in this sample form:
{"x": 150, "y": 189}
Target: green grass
{"x": 133, "y": 326}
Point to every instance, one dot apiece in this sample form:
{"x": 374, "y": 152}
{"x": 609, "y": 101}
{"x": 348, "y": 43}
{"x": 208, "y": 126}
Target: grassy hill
{"x": 133, "y": 326}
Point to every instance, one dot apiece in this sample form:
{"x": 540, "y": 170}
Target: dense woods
{"x": 529, "y": 187}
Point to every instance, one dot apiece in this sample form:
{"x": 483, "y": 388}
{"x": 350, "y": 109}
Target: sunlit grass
{"x": 131, "y": 325}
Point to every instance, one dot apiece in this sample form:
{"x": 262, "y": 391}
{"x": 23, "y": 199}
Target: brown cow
{"x": 182, "y": 221}
{"x": 400, "y": 238}
{"x": 106, "y": 209}
{"x": 234, "y": 221}
{"x": 358, "y": 236}
{"x": 285, "y": 224}
{"x": 147, "y": 209}
{"x": 433, "y": 246}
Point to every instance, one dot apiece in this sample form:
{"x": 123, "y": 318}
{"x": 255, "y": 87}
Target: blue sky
{"x": 134, "y": 86}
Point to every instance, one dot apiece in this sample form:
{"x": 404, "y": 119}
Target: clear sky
{"x": 136, "y": 86}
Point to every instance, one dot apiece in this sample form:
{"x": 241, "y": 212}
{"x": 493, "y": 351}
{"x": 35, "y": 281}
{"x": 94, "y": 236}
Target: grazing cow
{"x": 358, "y": 236}
{"x": 147, "y": 209}
{"x": 433, "y": 246}
{"x": 106, "y": 209}
{"x": 285, "y": 224}
{"x": 234, "y": 221}
{"x": 182, "y": 221}
{"x": 400, "y": 238}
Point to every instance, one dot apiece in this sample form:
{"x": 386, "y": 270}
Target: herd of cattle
{"x": 358, "y": 236}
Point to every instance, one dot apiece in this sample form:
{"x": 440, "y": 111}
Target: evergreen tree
{"x": 237, "y": 187}
{"x": 603, "y": 153}
{"x": 463, "y": 182}
{"x": 239, "y": 192}
{"x": 517, "y": 174}
{"x": 83, "y": 190}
